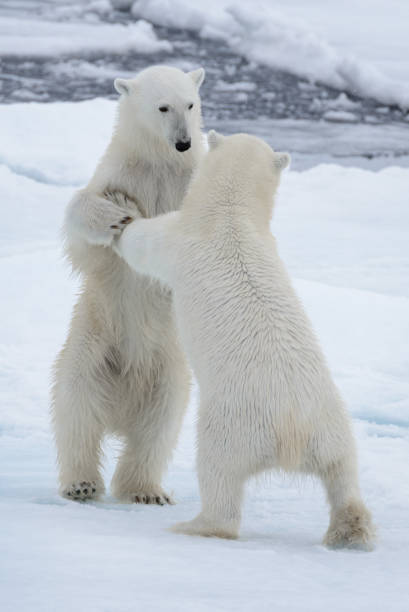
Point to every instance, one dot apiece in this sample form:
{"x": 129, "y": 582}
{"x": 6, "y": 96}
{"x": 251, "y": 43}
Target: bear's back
{"x": 238, "y": 314}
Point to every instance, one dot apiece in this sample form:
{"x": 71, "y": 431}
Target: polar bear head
{"x": 245, "y": 167}
{"x": 249, "y": 149}
{"x": 163, "y": 103}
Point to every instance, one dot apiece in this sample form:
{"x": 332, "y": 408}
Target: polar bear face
{"x": 166, "y": 102}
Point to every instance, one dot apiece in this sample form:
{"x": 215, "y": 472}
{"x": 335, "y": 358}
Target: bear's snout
{"x": 183, "y": 145}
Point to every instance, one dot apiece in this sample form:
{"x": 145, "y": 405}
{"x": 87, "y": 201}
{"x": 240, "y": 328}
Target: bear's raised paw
{"x": 120, "y": 225}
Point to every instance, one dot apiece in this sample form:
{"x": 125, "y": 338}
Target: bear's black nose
{"x": 183, "y": 145}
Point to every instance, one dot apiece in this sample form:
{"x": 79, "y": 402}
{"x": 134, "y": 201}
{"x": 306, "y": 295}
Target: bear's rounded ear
{"x": 197, "y": 76}
{"x": 214, "y": 139}
{"x": 122, "y": 86}
{"x": 281, "y": 160}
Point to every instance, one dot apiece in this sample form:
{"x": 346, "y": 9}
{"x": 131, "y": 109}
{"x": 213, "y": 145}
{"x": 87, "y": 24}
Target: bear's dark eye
{"x": 190, "y": 106}
{"x": 163, "y": 109}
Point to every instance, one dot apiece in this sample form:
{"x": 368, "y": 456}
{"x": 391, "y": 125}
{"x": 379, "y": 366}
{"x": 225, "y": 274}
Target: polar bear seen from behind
{"x": 122, "y": 370}
{"x": 267, "y": 399}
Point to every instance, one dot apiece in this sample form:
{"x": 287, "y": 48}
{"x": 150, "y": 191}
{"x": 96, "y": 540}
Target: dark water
{"x": 237, "y": 94}
{"x": 234, "y": 87}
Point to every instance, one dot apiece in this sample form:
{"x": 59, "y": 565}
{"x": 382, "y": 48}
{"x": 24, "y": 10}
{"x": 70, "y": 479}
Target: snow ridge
{"x": 343, "y": 235}
{"x": 265, "y": 34}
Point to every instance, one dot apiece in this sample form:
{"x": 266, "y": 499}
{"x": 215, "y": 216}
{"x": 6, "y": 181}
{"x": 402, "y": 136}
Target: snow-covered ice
{"x": 359, "y": 46}
{"x": 48, "y": 38}
{"x": 353, "y": 46}
{"x": 343, "y": 233}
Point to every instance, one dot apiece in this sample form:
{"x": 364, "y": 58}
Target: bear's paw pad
{"x": 80, "y": 491}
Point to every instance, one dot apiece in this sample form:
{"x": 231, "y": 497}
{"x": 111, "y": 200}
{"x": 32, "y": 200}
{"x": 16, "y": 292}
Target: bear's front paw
{"x": 120, "y": 225}
{"x": 124, "y": 203}
{"x": 106, "y": 235}
{"x": 80, "y": 491}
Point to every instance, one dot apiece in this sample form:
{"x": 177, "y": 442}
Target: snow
{"x": 360, "y": 47}
{"x": 238, "y": 86}
{"x": 48, "y": 38}
{"x": 313, "y": 142}
{"x": 29, "y": 147}
{"x": 340, "y": 116}
{"x": 343, "y": 233}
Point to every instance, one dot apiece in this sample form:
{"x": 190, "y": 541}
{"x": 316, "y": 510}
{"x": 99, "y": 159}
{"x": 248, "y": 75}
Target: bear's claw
{"x": 124, "y": 221}
{"x": 159, "y": 500}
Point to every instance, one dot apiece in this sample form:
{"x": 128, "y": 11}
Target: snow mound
{"x": 342, "y": 233}
{"x": 36, "y": 38}
{"x": 269, "y": 36}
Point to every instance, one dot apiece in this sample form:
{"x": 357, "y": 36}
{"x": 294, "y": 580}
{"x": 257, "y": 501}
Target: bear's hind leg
{"x": 79, "y": 394}
{"x": 221, "y": 493}
{"x": 222, "y": 473}
{"x": 78, "y": 437}
{"x": 137, "y": 477}
{"x": 350, "y": 523}
{"x": 152, "y": 436}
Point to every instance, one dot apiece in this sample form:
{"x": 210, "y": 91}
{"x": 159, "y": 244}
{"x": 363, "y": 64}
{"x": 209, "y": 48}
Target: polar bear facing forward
{"x": 267, "y": 399}
{"x": 122, "y": 370}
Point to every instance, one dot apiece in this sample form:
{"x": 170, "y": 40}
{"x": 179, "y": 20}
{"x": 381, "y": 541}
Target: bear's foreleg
{"x": 98, "y": 219}
{"x": 147, "y": 246}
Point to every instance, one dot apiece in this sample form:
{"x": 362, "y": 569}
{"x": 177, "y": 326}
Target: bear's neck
{"x": 219, "y": 209}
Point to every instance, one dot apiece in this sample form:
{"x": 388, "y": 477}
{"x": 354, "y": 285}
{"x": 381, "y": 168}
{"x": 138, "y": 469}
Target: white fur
{"x": 122, "y": 369}
{"x": 267, "y": 399}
